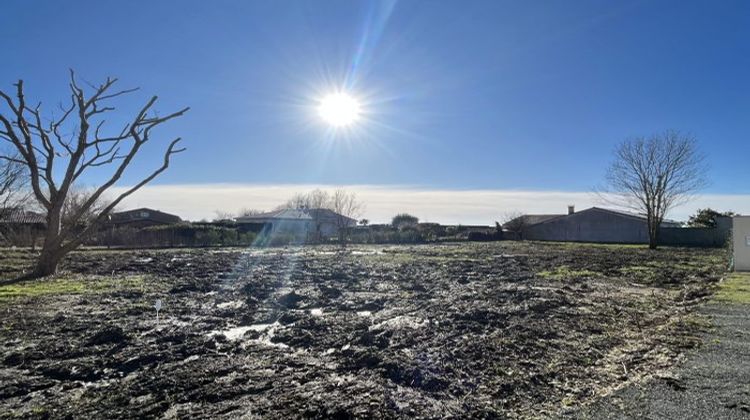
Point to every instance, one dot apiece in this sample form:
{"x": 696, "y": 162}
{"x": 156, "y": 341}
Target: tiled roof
{"x": 291, "y": 214}
{"x": 532, "y": 219}
{"x": 144, "y": 214}
{"x": 20, "y": 216}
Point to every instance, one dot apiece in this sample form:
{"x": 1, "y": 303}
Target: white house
{"x": 319, "y": 222}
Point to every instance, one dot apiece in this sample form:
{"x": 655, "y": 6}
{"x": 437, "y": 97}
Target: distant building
{"x": 143, "y": 217}
{"x": 593, "y": 225}
{"x": 741, "y": 243}
{"x": 601, "y": 225}
{"x": 21, "y": 217}
{"x": 612, "y": 226}
{"x": 20, "y": 227}
{"x": 320, "y": 222}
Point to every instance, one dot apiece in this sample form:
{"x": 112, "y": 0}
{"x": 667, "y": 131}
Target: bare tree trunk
{"x": 52, "y": 252}
{"x": 653, "y": 175}
{"x": 47, "y": 263}
{"x": 39, "y": 144}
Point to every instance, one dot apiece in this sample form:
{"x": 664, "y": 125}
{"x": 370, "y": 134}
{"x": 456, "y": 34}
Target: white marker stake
{"x": 157, "y": 306}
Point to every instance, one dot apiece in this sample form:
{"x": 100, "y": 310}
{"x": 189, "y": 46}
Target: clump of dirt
{"x": 480, "y": 330}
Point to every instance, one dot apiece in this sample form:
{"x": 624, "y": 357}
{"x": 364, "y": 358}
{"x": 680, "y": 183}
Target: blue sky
{"x": 461, "y": 95}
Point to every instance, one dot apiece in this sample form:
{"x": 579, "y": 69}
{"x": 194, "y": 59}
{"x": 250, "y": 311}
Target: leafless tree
{"x": 75, "y": 214}
{"x": 315, "y": 199}
{"x": 57, "y": 151}
{"x": 344, "y": 203}
{"x": 515, "y": 223}
{"x": 14, "y": 197}
{"x": 222, "y": 216}
{"x": 13, "y": 185}
{"x": 652, "y": 175}
{"x": 347, "y": 208}
{"x": 244, "y": 212}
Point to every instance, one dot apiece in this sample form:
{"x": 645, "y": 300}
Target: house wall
{"x": 741, "y": 243}
{"x": 590, "y": 226}
{"x": 290, "y": 226}
{"x": 700, "y": 237}
{"x": 605, "y": 227}
{"x": 329, "y": 229}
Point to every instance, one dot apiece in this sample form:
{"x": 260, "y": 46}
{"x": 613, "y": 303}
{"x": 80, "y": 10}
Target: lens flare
{"x": 339, "y": 109}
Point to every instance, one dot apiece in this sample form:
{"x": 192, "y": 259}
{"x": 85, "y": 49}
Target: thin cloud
{"x": 475, "y": 207}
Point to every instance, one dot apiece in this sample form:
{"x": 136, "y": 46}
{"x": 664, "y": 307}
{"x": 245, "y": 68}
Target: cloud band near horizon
{"x": 447, "y": 206}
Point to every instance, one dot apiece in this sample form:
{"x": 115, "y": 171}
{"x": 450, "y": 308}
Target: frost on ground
{"x": 494, "y": 329}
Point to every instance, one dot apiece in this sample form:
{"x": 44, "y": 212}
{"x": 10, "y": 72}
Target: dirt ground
{"x": 495, "y": 330}
{"x": 714, "y": 381}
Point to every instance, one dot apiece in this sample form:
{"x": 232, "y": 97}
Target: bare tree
{"x": 315, "y": 199}
{"x": 58, "y": 150}
{"x": 75, "y": 215}
{"x": 244, "y": 212}
{"x": 347, "y": 208}
{"x": 14, "y": 197}
{"x": 516, "y": 223}
{"x": 343, "y": 203}
{"x": 223, "y": 216}
{"x": 13, "y": 185}
{"x": 652, "y": 175}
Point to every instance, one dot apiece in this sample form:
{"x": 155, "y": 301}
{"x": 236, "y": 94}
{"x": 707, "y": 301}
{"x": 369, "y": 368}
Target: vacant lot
{"x": 494, "y": 330}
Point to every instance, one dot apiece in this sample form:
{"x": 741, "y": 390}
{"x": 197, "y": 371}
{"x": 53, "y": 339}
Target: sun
{"x": 339, "y": 109}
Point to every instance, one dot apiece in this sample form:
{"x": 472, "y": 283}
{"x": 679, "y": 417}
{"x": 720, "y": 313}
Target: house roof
{"x": 21, "y": 216}
{"x": 291, "y": 214}
{"x": 144, "y": 214}
{"x": 286, "y": 214}
{"x": 615, "y": 212}
{"x": 532, "y": 219}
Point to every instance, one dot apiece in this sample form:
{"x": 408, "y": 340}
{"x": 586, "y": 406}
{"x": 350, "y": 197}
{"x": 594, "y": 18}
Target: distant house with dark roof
{"x": 591, "y": 225}
{"x": 22, "y": 217}
{"x": 142, "y": 217}
{"x": 321, "y": 222}
{"x": 20, "y": 227}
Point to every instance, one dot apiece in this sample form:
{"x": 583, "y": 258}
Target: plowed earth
{"x": 495, "y": 330}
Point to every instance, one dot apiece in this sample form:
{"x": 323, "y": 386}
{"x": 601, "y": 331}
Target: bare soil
{"x": 494, "y": 330}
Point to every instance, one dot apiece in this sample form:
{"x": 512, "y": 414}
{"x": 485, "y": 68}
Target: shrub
{"x": 404, "y": 220}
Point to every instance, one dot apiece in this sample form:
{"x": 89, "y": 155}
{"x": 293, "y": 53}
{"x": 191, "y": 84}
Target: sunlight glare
{"x": 339, "y": 109}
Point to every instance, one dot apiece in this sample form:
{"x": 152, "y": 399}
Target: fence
{"x": 181, "y": 235}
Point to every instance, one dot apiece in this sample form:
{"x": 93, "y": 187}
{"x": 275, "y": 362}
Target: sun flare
{"x": 339, "y": 109}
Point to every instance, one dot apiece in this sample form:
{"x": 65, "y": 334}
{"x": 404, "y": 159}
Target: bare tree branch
{"x": 653, "y": 175}
{"x": 55, "y": 160}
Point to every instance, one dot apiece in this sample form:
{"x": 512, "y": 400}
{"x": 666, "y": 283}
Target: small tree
{"x": 244, "y": 212}
{"x": 14, "y": 198}
{"x": 343, "y": 203}
{"x": 652, "y": 175}
{"x": 347, "y": 208}
{"x": 223, "y": 216}
{"x": 76, "y": 215}
{"x": 13, "y": 184}
{"x": 404, "y": 220}
{"x": 55, "y": 160}
{"x": 516, "y": 222}
{"x": 707, "y": 217}
{"x": 315, "y": 199}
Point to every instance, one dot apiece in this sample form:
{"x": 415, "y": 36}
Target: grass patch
{"x": 564, "y": 272}
{"x": 588, "y": 245}
{"x": 65, "y": 285}
{"x": 735, "y": 289}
